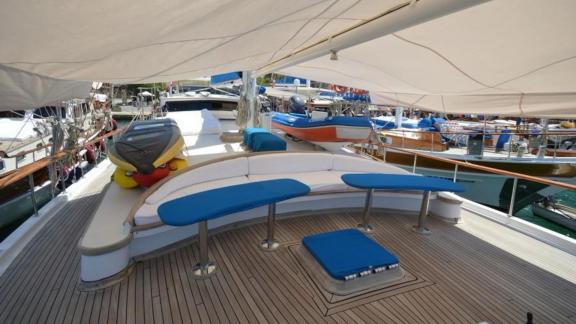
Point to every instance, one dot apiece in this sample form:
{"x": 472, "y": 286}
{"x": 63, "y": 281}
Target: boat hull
{"x": 334, "y": 133}
{"x": 539, "y": 210}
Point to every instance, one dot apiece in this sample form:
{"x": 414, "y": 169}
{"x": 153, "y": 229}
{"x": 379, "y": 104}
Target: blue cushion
{"x": 267, "y": 142}
{"x": 220, "y": 202}
{"x": 347, "y": 253}
{"x": 248, "y": 134}
{"x": 399, "y": 182}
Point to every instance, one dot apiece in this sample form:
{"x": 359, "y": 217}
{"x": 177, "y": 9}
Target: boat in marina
{"x": 223, "y": 104}
{"x": 555, "y": 212}
{"x": 304, "y": 235}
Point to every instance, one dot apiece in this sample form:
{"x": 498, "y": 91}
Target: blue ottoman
{"x": 346, "y": 262}
{"x": 267, "y": 142}
{"x": 249, "y": 133}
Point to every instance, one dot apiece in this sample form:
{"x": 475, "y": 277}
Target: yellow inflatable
{"x": 567, "y": 124}
{"x": 177, "y": 164}
{"x": 123, "y": 180}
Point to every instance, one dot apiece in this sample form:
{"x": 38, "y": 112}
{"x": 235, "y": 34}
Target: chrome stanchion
{"x": 414, "y": 166}
{"x": 455, "y": 172}
{"x": 205, "y": 268}
{"x": 513, "y": 198}
{"x": 421, "y": 227}
{"x": 365, "y": 226}
{"x": 270, "y": 244}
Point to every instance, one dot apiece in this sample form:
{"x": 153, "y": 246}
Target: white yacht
{"x": 221, "y": 103}
{"x": 302, "y": 236}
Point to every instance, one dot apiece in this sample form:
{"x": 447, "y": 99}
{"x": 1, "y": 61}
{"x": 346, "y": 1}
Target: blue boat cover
{"x": 220, "y": 202}
{"x": 347, "y": 252}
{"x": 267, "y": 142}
{"x": 399, "y": 182}
{"x": 503, "y": 138}
{"x": 293, "y": 120}
{"x": 249, "y": 133}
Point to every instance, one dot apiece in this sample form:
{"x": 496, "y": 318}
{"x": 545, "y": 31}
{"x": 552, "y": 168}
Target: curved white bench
{"x": 320, "y": 171}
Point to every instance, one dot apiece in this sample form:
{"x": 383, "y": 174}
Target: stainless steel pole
{"x": 365, "y": 226}
{"x": 270, "y": 244}
{"x": 455, "y": 172}
{"x": 204, "y": 268}
{"x": 414, "y": 166}
{"x": 513, "y": 198}
{"x": 421, "y": 227}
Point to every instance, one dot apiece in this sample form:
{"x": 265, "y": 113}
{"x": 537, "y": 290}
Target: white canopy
{"x": 24, "y": 90}
{"x": 501, "y": 57}
{"x": 117, "y": 41}
{"x": 515, "y": 57}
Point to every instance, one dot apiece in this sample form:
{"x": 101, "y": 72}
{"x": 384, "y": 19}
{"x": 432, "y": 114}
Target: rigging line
{"x": 225, "y": 42}
{"x": 164, "y": 43}
{"x": 447, "y": 60}
{"x": 334, "y": 2}
{"x": 537, "y": 69}
{"x": 335, "y": 17}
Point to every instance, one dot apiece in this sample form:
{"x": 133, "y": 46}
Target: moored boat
{"x": 555, "y": 212}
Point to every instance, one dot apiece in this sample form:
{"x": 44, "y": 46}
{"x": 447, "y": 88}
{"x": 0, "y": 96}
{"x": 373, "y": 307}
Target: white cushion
{"x": 148, "y": 213}
{"x": 289, "y": 163}
{"x": 196, "y": 122}
{"x": 318, "y": 181}
{"x": 356, "y": 164}
{"x": 221, "y": 170}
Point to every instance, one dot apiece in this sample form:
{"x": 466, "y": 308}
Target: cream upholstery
{"x": 147, "y": 213}
{"x": 320, "y": 171}
{"x": 222, "y": 170}
{"x": 290, "y": 163}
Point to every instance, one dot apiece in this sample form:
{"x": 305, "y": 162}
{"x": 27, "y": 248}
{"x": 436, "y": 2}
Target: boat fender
{"x": 157, "y": 174}
{"x": 90, "y": 155}
{"x": 177, "y": 164}
{"x": 124, "y": 179}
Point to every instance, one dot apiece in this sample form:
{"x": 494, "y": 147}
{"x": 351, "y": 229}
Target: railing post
{"x": 432, "y": 143}
{"x": 455, "y": 172}
{"x": 51, "y": 176}
{"x": 414, "y": 166}
{"x": 556, "y": 143}
{"x": 62, "y": 180}
{"x": 513, "y": 198}
{"x": 403, "y": 135}
{"x": 32, "y": 193}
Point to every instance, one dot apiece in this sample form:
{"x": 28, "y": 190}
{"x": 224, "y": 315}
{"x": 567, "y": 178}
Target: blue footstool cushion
{"x": 349, "y": 254}
{"x": 267, "y": 142}
{"x": 248, "y": 135}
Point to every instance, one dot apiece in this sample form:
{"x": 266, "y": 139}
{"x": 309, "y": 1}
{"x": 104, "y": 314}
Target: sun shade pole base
{"x": 205, "y": 268}
{"x": 270, "y": 244}
{"x": 365, "y": 226}
{"x": 421, "y": 227}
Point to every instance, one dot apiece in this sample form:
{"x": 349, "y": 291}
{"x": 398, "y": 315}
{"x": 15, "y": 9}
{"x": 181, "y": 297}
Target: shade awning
{"x": 514, "y": 57}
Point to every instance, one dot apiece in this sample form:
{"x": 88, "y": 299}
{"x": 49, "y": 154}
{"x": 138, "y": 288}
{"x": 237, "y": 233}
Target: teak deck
{"x": 459, "y": 279}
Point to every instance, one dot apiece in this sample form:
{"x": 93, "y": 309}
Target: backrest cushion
{"x": 289, "y": 163}
{"x": 219, "y": 170}
{"x": 358, "y": 164}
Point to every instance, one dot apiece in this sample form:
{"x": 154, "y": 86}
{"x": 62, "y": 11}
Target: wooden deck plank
{"x": 473, "y": 280}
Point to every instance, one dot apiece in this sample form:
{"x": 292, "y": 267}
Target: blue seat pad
{"x": 249, "y": 134}
{"x": 399, "y": 182}
{"x": 220, "y": 202}
{"x": 302, "y": 121}
{"x": 345, "y": 252}
{"x": 267, "y": 142}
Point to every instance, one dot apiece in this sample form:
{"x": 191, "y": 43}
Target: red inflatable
{"x": 147, "y": 180}
{"x": 338, "y": 89}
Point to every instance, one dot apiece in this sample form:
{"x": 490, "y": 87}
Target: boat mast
{"x": 250, "y": 97}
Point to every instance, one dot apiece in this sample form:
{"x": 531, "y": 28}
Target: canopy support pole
{"x": 249, "y": 92}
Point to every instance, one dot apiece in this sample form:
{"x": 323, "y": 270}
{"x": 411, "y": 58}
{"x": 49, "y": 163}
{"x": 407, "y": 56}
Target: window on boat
{"x": 2, "y": 166}
{"x": 173, "y": 106}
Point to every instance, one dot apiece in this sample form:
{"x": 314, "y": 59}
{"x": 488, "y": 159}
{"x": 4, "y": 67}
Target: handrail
{"x": 408, "y": 130}
{"x": 13, "y": 176}
{"x": 481, "y": 167}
